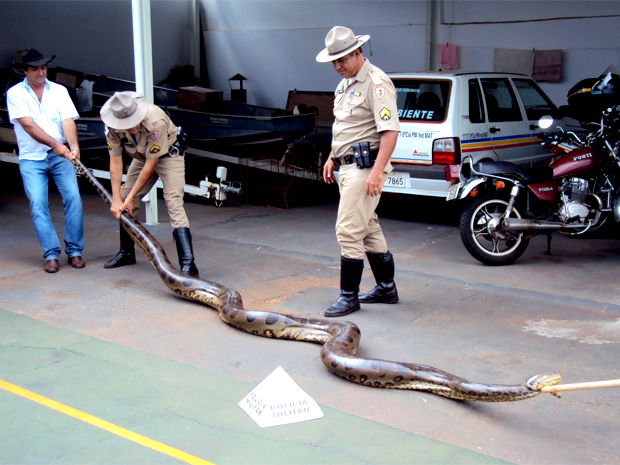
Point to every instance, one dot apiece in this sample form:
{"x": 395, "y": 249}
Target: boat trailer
{"x": 218, "y": 191}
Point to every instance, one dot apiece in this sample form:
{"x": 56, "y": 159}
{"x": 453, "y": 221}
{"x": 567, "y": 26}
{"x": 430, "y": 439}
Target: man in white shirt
{"x": 43, "y": 117}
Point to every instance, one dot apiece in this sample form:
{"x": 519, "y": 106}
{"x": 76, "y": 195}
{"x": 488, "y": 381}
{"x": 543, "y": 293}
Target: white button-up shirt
{"x": 56, "y": 106}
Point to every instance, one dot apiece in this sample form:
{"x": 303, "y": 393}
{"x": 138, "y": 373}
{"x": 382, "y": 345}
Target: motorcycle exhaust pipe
{"x": 521, "y": 224}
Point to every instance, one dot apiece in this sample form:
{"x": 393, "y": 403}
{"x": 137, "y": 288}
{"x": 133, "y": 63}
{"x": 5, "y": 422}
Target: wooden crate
{"x": 198, "y": 98}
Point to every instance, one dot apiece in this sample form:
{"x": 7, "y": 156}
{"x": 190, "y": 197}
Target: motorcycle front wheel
{"x": 482, "y": 237}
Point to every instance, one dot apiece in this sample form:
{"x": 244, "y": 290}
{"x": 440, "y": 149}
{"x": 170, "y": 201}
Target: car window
{"x": 536, "y": 103}
{"x": 476, "y": 112}
{"x": 500, "y": 100}
{"x": 422, "y": 100}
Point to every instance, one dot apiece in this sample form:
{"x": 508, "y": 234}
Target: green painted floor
{"x": 191, "y": 410}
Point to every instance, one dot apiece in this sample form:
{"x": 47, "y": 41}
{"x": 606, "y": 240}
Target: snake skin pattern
{"x": 339, "y": 339}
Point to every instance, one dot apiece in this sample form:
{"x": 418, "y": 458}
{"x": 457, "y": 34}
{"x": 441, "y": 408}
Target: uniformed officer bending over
{"x": 364, "y": 136}
{"x": 147, "y": 134}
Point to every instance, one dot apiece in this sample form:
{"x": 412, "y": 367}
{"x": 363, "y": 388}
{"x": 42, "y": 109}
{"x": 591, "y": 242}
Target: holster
{"x": 362, "y": 156}
{"x": 180, "y": 145}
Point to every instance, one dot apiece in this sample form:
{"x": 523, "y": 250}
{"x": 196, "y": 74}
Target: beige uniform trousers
{"x": 171, "y": 171}
{"x": 357, "y": 226}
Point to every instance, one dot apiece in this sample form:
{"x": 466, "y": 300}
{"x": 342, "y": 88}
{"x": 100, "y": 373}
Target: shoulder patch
{"x": 376, "y": 79}
{"x": 154, "y": 135}
{"x": 155, "y": 149}
{"x": 380, "y": 92}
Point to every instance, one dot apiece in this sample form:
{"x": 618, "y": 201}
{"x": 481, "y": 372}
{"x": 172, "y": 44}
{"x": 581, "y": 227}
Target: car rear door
{"x": 510, "y": 131}
{"x": 423, "y": 108}
{"x": 474, "y": 126}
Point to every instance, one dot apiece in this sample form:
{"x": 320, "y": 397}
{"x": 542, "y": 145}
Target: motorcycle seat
{"x": 505, "y": 168}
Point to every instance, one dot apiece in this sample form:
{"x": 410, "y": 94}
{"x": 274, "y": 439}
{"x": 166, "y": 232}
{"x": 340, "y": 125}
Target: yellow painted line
{"x": 477, "y": 145}
{"x": 515, "y": 141}
{"x": 99, "y": 423}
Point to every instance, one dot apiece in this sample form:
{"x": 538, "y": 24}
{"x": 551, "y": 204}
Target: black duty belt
{"x": 348, "y": 159}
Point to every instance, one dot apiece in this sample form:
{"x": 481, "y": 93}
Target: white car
{"x": 445, "y": 116}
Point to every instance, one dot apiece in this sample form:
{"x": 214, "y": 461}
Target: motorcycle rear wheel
{"x": 483, "y": 240}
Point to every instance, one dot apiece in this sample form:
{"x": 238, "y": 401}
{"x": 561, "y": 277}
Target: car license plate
{"x": 454, "y": 191}
{"x": 395, "y": 180}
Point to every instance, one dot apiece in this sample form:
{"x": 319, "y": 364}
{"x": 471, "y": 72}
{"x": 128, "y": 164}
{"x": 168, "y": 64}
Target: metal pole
{"x": 142, "y": 47}
{"x": 196, "y": 37}
{"x": 143, "y": 62}
{"x": 428, "y": 52}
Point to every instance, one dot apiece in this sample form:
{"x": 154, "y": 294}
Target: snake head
{"x": 537, "y": 382}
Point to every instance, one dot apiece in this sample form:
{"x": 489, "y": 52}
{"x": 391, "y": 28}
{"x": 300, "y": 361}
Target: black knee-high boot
{"x": 382, "y": 266}
{"x": 350, "y": 277}
{"x": 127, "y": 254}
{"x": 185, "y": 250}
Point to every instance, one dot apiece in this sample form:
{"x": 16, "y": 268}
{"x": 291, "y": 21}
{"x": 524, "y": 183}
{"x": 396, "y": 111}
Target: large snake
{"x": 339, "y": 339}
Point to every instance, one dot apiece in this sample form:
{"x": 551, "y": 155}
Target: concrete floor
{"x": 118, "y": 345}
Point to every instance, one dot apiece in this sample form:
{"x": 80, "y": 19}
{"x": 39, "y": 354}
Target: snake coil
{"x": 339, "y": 340}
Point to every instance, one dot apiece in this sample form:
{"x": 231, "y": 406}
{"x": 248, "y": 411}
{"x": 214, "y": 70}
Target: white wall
{"x": 274, "y": 42}
{"x": 588, "y": 32}
{"x": 94, "y": 36}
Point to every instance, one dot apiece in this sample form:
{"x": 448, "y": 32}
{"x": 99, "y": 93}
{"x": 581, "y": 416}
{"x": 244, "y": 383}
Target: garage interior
{"x": 83, "y": 347}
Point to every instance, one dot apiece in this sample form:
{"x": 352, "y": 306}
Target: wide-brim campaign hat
{"x": 32, "y": 57}
{"x": 124, "y": 110}
{"x": 338, "y": 42}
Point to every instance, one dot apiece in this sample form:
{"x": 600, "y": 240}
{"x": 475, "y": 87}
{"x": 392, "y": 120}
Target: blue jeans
{"x": 35, "y": 179}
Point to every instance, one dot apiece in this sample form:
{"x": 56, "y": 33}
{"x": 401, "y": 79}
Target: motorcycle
{"x": 509, "y": 204}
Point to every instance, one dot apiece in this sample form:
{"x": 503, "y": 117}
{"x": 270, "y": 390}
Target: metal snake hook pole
{"x": 339, "y": 339}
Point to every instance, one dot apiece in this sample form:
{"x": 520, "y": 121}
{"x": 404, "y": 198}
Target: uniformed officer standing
{"x": 365, "y": 131}
{"x": 147, "y": 134}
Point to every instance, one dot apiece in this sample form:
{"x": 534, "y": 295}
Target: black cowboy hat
{"x": 32, "y": 57}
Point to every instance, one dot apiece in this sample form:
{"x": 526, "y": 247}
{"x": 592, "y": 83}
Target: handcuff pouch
{"x": 180, "y": 145}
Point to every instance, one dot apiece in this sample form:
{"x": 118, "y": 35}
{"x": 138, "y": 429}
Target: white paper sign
{"x": 277, "y": 400}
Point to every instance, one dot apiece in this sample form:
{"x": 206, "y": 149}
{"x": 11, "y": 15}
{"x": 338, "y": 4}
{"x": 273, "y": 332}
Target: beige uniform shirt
{"x": 363, "y": 109}
{"x": 153, "y": 140}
